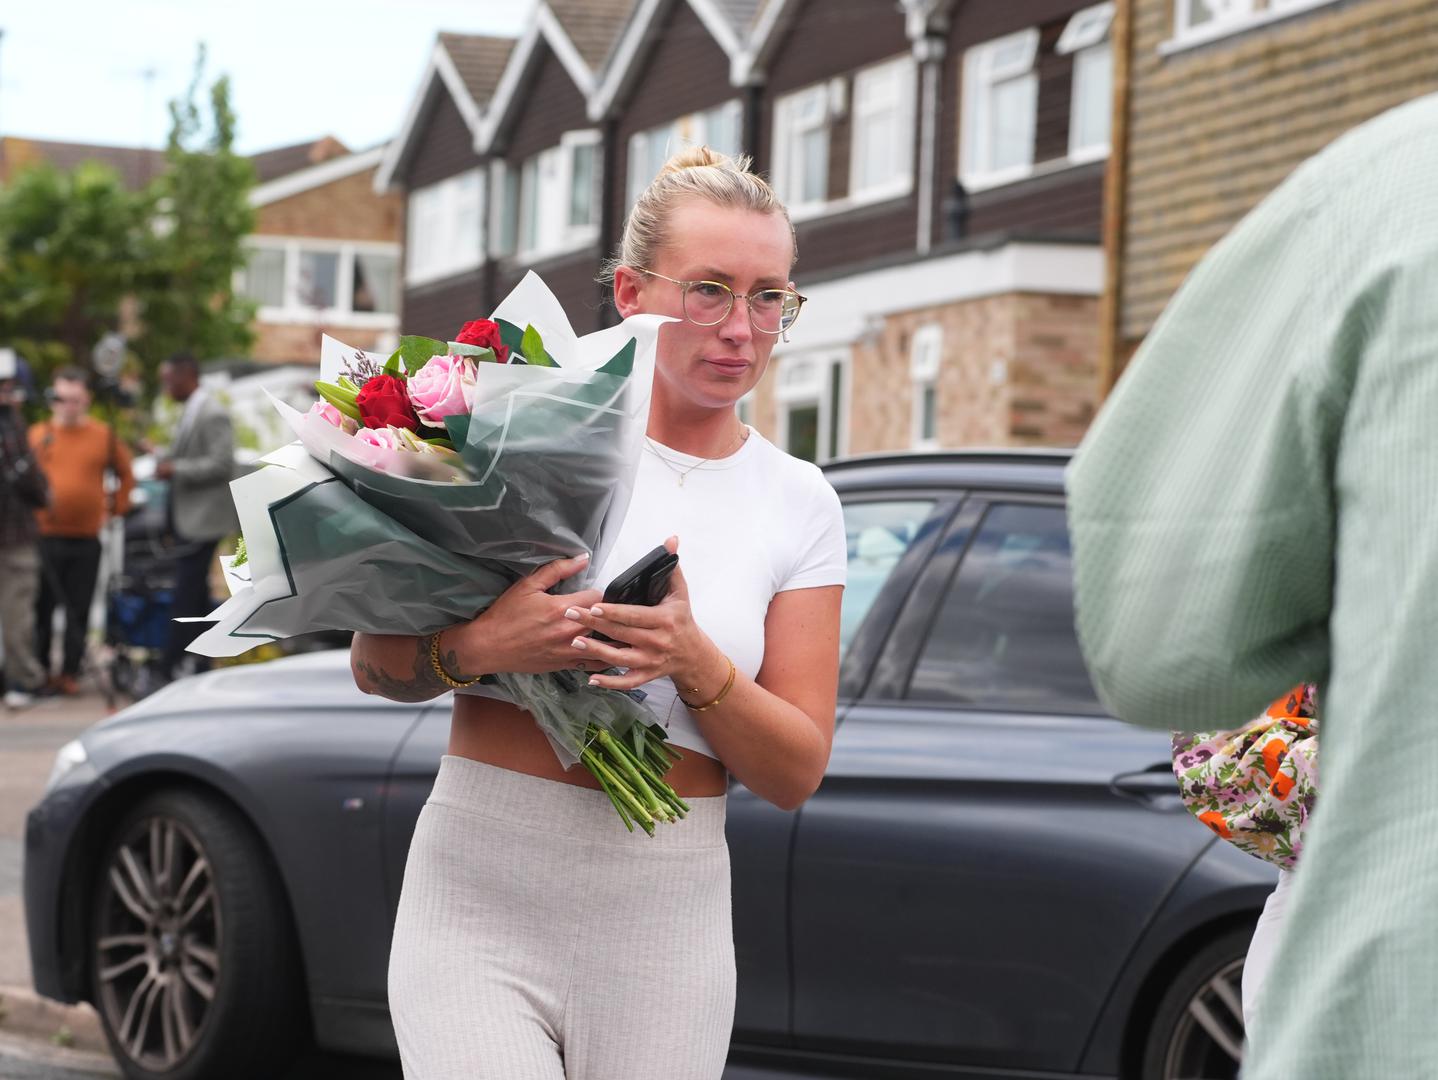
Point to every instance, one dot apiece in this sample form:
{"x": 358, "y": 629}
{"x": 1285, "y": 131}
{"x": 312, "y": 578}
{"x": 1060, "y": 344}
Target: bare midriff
{"x": 501, "y": 734}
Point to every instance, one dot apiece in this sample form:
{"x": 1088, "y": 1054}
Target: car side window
{"x": 878, "y": 535}
{"x": 1004, "y": 634}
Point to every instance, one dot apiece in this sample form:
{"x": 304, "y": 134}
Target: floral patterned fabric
{"x": 1255, "y": 787}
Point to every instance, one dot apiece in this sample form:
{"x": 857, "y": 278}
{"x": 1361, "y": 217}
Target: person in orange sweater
{"x": 75, "y": 452}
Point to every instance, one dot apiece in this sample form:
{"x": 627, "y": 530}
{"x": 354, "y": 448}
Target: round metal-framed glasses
{"x": 708, "y": 303}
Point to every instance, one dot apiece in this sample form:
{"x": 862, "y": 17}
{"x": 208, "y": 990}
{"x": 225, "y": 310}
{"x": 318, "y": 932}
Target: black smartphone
{"x": 644, "y": 583}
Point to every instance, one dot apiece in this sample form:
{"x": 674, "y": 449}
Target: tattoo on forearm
{"x": 420, "y": 685}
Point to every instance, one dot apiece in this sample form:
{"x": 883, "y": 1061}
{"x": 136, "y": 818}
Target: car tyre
{"x": 1197, "y": 1030}
{"x": 194, "y": 970}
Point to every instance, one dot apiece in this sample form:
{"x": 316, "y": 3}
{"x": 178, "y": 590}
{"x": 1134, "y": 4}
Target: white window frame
{"x": 691, "y": 129}
{"x": 981, "y": 73}
{"x": 500, "y": 175}
{"x": 584, "y": 232}
{"x": 293, "y": 311}
{"x": 1240, "y": 16}
{"x": 790, "y": 121}
{"x": 800, "y": 387}
{"x": 1086, "y": 38}
{"x": 926, "y": 354}
{"x": 547, "y": 190}
{"x": 443, "y": 203}
{"x": 868, "y": 99}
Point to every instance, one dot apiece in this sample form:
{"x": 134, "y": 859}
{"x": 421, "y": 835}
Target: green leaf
{"x": 478, "y": 352}
{"x": 391, "y": 366}
{"x": 532, "y": 347}
{"x": 414, "y": 351}
{"x": 341, "y": 399}
{"x": 242, "y": 555}
{"x": 440, "y": 440}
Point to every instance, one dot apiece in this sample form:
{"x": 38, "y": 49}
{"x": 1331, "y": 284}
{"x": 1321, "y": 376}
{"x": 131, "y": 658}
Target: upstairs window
{"x": 316, "y": 281}
{"x": 801, "y": 147}
{"x": 444, "y": 234}
{"x": 550, "y": 202}
{"x": 1086, "y": 39}
{"x": 719, "y": 128}
{"x": 1197, "y": 21}
{"x": 999, "y": 108}
{"x": 883, "y": 130}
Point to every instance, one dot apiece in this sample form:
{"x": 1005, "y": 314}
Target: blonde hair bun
{"x": 697, "y": 157}
{"x": 694, "y": 173}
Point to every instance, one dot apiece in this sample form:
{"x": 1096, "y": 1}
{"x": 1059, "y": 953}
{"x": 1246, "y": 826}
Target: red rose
{"x": 485, "y": 335}
{"x": 384, "y": 402}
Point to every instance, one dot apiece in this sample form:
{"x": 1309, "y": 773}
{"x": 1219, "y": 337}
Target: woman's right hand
{"x": 525, "y": 630}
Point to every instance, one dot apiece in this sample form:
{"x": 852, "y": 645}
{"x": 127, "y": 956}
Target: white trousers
{"x": 1264, "y": 944}
{"x": 537, "y": 940}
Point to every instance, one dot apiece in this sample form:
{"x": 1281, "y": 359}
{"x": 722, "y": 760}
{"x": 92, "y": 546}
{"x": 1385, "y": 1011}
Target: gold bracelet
{"x": 434, "y": 662}
{"x": 722, "y": 693}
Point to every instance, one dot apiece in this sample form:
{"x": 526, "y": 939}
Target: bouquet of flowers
{"x": 424, "y": 484}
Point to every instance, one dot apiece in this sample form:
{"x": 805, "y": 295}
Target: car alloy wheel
{"x": 1207, "y": 1041}
{"x": 157, "y": 944}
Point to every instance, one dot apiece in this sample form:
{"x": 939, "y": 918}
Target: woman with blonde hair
{"x": 536, "y": 939}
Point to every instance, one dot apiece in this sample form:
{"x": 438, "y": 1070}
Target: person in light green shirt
{"x": 1256, "y": 506}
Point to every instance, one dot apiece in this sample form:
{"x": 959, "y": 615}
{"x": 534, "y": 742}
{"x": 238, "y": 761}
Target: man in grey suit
{"x": 199, "y": 465}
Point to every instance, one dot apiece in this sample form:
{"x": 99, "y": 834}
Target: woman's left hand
{"x": 661, "y": 640}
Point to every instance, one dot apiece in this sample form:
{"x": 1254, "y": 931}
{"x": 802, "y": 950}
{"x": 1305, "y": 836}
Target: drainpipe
{"x": 929, "y": 52}
{"x": 609, "y": 223}
{"x": 1115, "y": 202}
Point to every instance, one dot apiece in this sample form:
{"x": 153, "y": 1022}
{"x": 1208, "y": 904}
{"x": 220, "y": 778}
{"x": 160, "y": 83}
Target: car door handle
{"x": 1154, "y": 782}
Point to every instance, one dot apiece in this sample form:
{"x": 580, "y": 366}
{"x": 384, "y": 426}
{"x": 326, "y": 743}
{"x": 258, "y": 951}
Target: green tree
{"x": 201, "y": 218}
{"x": 70, "y": 249}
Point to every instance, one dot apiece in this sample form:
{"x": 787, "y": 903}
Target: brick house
{"x": 944, "y": 167}
{"x": 324, "y": 254}
{"x": 1220, "y": 103}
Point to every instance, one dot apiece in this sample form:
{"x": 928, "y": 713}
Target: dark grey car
{"x": 995, "y": 878}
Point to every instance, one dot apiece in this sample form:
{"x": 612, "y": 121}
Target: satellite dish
{"x": 109, "y": 355}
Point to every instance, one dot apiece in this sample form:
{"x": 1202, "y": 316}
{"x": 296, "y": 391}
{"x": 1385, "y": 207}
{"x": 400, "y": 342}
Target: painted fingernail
{"x": 583, "y": 557}
{"x": 597, "y": 612}
{"x": 571, "y": 613}
{"x": 580, "y": 643}
{"x": 594, "y": 680}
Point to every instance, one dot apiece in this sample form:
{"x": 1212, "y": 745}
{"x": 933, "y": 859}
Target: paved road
{"x": 28, "y": 741}
{"x": 34, "y": 1059}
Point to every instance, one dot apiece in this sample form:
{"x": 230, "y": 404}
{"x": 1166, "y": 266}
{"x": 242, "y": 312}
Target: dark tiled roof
{"x": 137, "y": 167}
{"x": 593, "y": 26}
{"x": 480, "y": 61}
{"x": 272, "y": 164}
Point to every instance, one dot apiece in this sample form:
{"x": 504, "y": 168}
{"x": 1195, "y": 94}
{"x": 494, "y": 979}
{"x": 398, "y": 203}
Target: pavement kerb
{"x": 24, "y": 1012}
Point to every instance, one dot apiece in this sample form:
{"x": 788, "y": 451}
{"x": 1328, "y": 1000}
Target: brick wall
{"x": 1017, "y": 370}
{"x": 300, "y": 344}
{"x": 347, "y": 209}
{"x": 1214, "y": 129}
{"x": 1053, "y": 375}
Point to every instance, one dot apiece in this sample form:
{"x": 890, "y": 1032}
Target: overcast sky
{"x": 76, "y": 72}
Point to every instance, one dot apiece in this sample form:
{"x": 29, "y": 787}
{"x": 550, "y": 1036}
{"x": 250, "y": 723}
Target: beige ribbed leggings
{"x": 537, "y": 940}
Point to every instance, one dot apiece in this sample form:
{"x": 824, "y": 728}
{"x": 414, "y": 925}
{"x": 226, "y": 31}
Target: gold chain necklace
{"x": 682, "y": 473}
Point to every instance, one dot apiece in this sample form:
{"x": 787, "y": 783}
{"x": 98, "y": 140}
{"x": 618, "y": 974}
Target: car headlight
{"x": 71, "y": 756}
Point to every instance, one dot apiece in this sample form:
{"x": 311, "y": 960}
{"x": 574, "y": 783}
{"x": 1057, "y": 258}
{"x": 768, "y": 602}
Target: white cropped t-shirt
{"x": 754, "y": 524}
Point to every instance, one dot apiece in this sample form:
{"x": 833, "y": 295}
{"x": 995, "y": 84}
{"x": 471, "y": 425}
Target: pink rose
{"x": 328, "y": 413}
{"x": 382, "y": 437}
{"x": 443, "y": 387}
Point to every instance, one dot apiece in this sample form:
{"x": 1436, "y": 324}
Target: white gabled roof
{"x": 326, "y": 172}
{"x": 441, "y": 67}
{"x": 543, "y": 25}
{"x": 640, "y": 34}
